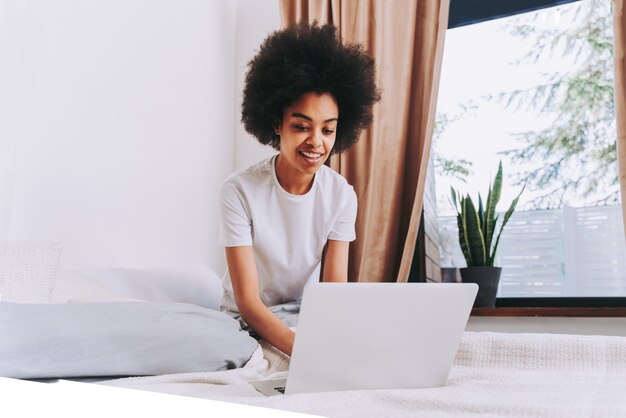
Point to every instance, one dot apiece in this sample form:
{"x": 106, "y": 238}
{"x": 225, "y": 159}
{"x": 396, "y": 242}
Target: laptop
{"x": 354, "y": 336}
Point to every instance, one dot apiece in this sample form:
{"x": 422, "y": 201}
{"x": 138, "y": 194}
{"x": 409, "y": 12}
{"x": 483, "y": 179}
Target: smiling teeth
{"x": 311, "y": 154}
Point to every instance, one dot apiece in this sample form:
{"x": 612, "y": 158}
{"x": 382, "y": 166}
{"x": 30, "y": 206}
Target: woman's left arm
{"x": 335, "y": 261}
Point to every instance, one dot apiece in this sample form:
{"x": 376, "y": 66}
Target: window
{"x": 532, "y": 86}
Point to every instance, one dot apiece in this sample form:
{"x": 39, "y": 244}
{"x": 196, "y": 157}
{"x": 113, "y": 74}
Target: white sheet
{"x": 494, "y": 374}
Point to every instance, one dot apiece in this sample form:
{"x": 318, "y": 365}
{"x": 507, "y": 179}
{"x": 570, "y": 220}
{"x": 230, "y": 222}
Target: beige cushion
{"x": 28, "y": 270}
{"x": 71, "y": 287}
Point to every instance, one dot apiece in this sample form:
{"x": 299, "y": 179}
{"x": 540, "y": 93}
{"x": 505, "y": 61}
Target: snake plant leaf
{"x": 458, "y": 199}
{"x": 507, "y": 215}
{"x": 493, "y": 198}
{"x": 481, "y": 214}
{"x": 453, "y": 193}
{"x": 475, "y": 237}
{"x": 463, "y": 237}
{"x": 477, "y": 227}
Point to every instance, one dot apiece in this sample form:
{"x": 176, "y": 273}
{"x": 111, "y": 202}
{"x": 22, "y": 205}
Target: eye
{"x": 328, "y": 131}
{"x": 301, "y": 128}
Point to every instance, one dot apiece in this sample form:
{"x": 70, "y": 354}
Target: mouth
{"x": 311, "y": 156}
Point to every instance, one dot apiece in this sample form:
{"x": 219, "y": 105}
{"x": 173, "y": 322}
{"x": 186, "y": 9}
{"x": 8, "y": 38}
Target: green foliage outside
{"x": 575, "y": 158}
{"x": 459, "y": 169}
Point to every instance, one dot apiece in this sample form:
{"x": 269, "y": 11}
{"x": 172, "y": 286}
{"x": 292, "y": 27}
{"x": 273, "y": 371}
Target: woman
{"x": 288, "y": 220}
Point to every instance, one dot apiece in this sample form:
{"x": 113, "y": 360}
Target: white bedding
{"x": 494, "y": 374}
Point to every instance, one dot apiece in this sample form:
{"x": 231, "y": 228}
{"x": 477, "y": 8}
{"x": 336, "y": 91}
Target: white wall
{"x": 116, "y": 127}
{"x": 256, "y": 20}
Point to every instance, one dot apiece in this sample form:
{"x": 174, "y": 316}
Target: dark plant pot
{"x": 450, "y": 275}
{"x": 487, "y": 279}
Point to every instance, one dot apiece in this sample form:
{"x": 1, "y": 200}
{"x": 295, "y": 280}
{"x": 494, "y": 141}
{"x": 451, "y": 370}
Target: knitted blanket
{"x": 494, "y": 374}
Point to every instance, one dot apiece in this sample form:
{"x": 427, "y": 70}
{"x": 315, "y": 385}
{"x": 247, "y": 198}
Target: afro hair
{"x": 306, "y": 58}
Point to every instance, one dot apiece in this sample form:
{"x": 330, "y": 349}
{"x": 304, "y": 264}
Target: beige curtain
{"x": 387, "y": 167}
{"x": 619, "y": 51}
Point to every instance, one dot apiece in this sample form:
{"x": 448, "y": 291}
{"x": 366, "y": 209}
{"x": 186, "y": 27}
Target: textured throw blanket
{"x": 494, "y": 374}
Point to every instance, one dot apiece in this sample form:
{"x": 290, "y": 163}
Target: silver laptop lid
{"x": 378, "y": 335}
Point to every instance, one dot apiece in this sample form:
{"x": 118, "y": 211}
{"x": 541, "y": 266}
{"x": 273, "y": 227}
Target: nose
{"x": 316, "y": 138}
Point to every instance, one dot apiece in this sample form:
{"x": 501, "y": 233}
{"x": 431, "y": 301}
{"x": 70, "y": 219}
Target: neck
{"x": 293, "y": 181}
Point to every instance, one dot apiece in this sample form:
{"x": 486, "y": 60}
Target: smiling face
{"x": 307, "y": 134}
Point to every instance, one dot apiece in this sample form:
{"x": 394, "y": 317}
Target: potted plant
{"x": 477, "y": 227}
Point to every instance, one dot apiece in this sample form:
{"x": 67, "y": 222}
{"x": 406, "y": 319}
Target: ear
{"x": 276, "y": 126}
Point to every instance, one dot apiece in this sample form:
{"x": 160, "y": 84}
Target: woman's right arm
{"x": 245, "y": 281}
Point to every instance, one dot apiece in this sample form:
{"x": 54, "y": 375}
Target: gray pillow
{"x": 118, "y": 339}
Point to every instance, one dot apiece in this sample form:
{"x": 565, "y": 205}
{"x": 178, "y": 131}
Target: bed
{"x": 494, "y": 374}
{"x": 159, "y": 330}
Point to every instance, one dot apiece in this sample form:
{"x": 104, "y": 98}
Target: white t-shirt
{"x": 287, "y": 232}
